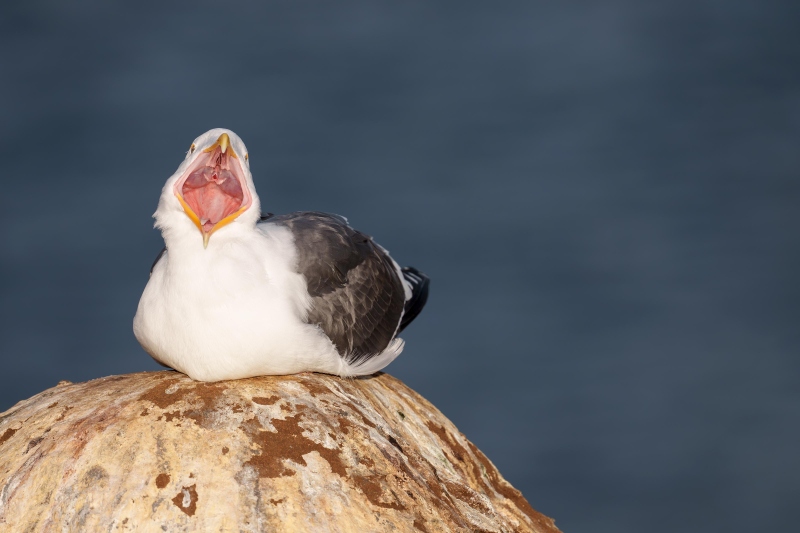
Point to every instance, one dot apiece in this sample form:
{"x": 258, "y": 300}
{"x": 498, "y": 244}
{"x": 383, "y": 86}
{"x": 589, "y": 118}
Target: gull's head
{"x": 212, "y": 188}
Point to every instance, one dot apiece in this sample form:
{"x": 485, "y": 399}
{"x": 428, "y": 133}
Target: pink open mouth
{"x": 213, "y": 190}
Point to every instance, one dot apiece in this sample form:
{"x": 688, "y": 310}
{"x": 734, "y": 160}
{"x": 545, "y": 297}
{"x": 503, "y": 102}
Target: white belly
{"x": 231, "y": 313}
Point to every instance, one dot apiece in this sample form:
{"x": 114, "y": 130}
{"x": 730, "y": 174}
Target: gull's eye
{"x": 191, "y": 148}
{"x": 247, "y": 157}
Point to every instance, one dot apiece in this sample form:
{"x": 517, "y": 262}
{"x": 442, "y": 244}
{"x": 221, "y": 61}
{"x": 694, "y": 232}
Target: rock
{"x": 157, "y": 451}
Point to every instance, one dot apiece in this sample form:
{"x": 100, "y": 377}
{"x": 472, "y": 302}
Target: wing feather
{"x": 357, "y": 295}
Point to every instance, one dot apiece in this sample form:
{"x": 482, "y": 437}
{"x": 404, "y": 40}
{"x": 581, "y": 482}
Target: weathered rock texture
{"x": 157, "y": 451}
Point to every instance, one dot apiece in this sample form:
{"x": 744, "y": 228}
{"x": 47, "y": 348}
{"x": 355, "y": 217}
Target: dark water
{"x": 606, "y": 197}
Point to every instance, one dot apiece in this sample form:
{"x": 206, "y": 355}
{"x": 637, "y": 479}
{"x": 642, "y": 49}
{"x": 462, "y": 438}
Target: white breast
{"x": 232, "y": 311}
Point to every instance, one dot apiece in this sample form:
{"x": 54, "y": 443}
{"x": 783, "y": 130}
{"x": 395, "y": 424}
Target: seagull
{"x": 237, "y": 294}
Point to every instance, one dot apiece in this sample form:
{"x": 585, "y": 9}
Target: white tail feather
{"x": 373, "y": 364}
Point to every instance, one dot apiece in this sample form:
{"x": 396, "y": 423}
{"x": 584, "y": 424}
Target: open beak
{"x": 213, "y": 190}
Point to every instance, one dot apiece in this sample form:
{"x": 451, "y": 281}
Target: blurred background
{"x": 605, "y": 196}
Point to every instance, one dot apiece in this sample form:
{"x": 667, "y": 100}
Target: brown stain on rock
{"x": 420, "y": 524}
{"x": 7, "y": 435}
{"x": 169, "y": 416}
{"x": 372, "y": 489}
{"x": 186, "y": 500}
{"x": 287, "y": 443}
{"x": 63, "y": 413}
{"x": 159, "y": 397}
{"x": 428, "y": 480}
{"x": 225, "y": 450}
{"x": 458, "y": 451}
{"x": 260, "y": 400}
{"x": 314, "y": 387}
{"x": 203, "y": 400}
{"x": 344, "y": 425}
{"x": 468, "y": 496}
{"x": 439, "y": 430}
{"x": 162, "y": 480}
{"x": 210, "y": 398}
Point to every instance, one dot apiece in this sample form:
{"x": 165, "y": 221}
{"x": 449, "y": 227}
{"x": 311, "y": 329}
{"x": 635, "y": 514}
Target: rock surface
{"x": 156, "y": 451}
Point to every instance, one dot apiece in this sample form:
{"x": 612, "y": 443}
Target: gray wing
{"x": 357, "y": 295}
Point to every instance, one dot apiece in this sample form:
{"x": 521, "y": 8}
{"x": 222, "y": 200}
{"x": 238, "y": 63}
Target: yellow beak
{"x": 224, "y": 142}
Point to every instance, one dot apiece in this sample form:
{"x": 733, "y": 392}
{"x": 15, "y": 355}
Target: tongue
{"x": 213, "y": 194}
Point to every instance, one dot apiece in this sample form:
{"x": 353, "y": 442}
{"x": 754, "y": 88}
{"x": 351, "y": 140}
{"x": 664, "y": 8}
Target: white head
{"x": 211, "y": 191}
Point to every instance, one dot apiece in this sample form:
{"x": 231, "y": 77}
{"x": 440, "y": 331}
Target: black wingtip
{"x": 420, "y": 284}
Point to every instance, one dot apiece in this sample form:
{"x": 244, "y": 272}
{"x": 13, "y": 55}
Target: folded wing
{"x": 357, "y": 294}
